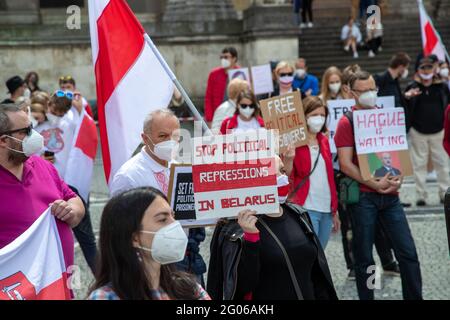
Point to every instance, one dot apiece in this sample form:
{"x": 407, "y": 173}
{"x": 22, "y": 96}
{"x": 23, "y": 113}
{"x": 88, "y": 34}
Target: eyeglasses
{"x": 65, "y": 78}
{"x": 67, "y": 94}
{"x": 426, "y": 67}
{"x": 253, "y": 106}
{"x": 362, "y": 91}
{"x": 26, "y": 130}
{"x": 225, "y": 57}
{"x": 290, "y": 74}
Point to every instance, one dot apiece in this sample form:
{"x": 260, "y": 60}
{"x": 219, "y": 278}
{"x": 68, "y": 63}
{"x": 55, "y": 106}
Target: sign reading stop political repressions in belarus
{"x": 234, "y": 172}
{"x": 381, "y": 143}
{"x": 286, "y": 114}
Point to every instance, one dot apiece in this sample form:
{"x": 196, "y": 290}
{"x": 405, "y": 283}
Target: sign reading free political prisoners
{"x": 234, "y": 172}
{"x": 286, "y": 114}
{"x": 381, "y": 143}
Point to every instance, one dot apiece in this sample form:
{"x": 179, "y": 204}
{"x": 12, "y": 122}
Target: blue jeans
{"x": 322, "y": 223}
{"x": 389, "y": 211}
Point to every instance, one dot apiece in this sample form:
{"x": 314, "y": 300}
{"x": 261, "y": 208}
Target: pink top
{"x": 22, "y": 202}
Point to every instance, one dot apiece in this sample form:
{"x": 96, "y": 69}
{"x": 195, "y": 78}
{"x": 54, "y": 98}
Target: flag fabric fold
{"x": 32, "y": 267}
{"x": 130, "y": 81}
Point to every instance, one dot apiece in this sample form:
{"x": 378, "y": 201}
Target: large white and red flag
{"x": 431, "y": 40}
{"x": 80, "y": 164}
{"x": 32, "y": 267}
{"x": 131, "y": 82}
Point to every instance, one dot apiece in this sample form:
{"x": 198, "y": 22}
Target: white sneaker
{"x": 355, "y": 55}
{"x": 346, "y": 48}
{"x": 302, "y": 25}
{"x": 371, "y": 54}
{"x": 380, "y": 49}
{"x": 310, "y": 25}
{"x": 431, "y": 176}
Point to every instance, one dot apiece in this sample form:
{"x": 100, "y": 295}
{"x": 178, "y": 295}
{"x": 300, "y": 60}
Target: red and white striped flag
{"x": 32, "y": 267}
{"x": 431, "y": 41}
{"x": 131, "y": 82}
{"x": 80, "y": 164}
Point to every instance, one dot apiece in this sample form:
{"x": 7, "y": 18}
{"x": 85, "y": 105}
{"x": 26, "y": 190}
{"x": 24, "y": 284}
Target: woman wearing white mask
{"x": 247, "y": 115}
{"x": 444, "y": 72}
{"x": 311, "y": 170}
{"x": 248, "y": 263}
{"x": 331, "y": 85}
{"x": 139, "y": 243}
{"x": 284, "y": 75}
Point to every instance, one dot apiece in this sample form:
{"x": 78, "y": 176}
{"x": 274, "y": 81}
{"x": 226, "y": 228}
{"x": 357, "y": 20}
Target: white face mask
{"x": 426, "y": 76}
{"x": 52, "y": 119}
{"x": 27, "y": 93}
{"x": 300, "y": 73}
{"x": 315, "y": 123}
{"x": 169, "y": 244}
{"x": 286, "y": 80}
{"x": 368, "y": 99}
{"x": 444, "y": 73}
{"x": 405, "y": 74}
{"x": 334, "y": 87}
{"x": 31, "y": 144}
{"x": 225, "y": 63}
{"x": 246, "y": 112}
{"x": 165, "y": 150}
{"x": 283, "y": 188}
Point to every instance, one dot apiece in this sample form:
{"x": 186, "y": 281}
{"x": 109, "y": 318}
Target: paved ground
{"x": 427, "y": 225}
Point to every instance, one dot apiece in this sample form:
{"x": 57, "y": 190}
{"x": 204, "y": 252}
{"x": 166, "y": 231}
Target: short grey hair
{"x": 149, "y": 118}
{"x": 5, "y": 122}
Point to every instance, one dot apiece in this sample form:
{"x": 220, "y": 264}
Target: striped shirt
{"x": 107, "y": 293}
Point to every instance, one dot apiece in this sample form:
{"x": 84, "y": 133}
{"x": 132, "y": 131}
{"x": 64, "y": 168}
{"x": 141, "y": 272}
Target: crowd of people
{"x": 144, "y": 253}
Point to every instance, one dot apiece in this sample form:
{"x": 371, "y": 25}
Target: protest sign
{"x": 241, "y": 73}
{"x": 380, "y": 140}
{"x": 337, "y": 108}
{"x": 181, "y": 196}
{"x": 262, "y": 79}
{"x": 234, "y": 172}
{"x": 285, "y": 113}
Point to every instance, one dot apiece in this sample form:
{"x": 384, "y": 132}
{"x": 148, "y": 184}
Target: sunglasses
{"x": 26, "y": 130}
{"x": 290, "y": 74}
{"x": 67, "y": 94}
{"x": 65, "y": 78}
{"x": 248, "y": 106}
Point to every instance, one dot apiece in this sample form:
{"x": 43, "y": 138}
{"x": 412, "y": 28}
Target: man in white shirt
{"x": 150, "y": 167}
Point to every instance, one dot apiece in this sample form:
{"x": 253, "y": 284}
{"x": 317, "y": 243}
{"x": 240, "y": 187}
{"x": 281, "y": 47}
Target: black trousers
{"x": 84, "y": 234}
{"x": 307, "y": 9}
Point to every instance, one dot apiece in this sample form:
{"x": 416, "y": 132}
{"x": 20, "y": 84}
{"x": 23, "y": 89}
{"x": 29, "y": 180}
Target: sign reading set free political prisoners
{"x": 286, "y": 114}
{"x": 234, "y": 172}
{"x": 381, "y": 143}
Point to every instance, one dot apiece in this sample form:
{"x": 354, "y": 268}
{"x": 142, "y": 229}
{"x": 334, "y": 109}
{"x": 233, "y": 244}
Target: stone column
{"x": 199, "y": 10}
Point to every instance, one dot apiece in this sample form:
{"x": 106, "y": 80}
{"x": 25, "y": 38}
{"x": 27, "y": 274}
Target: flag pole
{"x": 177, "y": 84}
{"x": 422, "y": 7}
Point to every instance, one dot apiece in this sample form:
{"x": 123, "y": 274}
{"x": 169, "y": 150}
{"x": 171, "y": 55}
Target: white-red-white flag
{"x": 80, "y": 163}
{"x": 32, "y": 267}
{"x": 131, "y": 82}
{"x": 431, "y": 40}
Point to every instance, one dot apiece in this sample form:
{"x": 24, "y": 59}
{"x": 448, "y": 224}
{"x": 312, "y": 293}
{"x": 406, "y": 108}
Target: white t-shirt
{"x": 60, "y": 139}
{"x": 242, "y": 126}
{"x": 319, "y": 195}
{"x": 224, "y": 111}
{"x": 141, "y": 171}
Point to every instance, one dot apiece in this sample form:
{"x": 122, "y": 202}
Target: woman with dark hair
{"x": 311, "y": 169}
{"x": 139, "y": 243}
{"x": 32, "y": 81}
{"x": 246, "y": 117}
